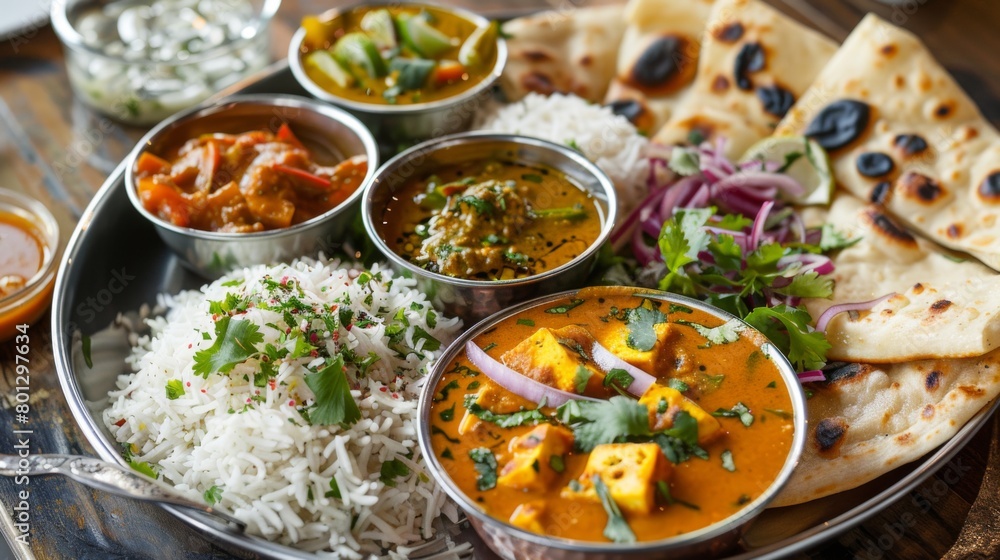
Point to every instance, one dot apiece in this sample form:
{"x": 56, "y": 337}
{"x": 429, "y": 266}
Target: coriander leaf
{"x": 727, "y": 461}
{"x": 334, "y": 491}
{"x": 510, "y": 420}
{"x": 580, "y": 379}
{"x": 533, "y": 177}
{"x": 175, "y": 388}
{"x": 831, "y": 239}
{"x": 618, "y": 377}
{"x": 677, "y": 385}
{"x": 640, "y": 322}
{"x": 431, "y": 344}
{"x": 564, "y": 309}
{"x": 526, "y": 322}
{"x": 482, "y": 207}
{"x": 808, "y": 285}
{"x": 617, "y": 528}
{"x": 684, "y": 161}
{"x": 557, "y": 463}
{"x": 680, "y": 442}
{"x": 779, "y": 413}
{"x": 723, "y": 334}
{"x": 739, "y": 410}
{"x": 144, "y": 468}
{"x": 235, "y": 342}
{"x": 213, "y": 495}
{"x": 448, "y": 414}
{"x": 597, "y": 422}
{"x": 85, "y": 348}
{"x": 334, "y": 402}
{"x": 392, "y": 469}
{"x": 788, "y": 328}
{"x": 486, "y": 468}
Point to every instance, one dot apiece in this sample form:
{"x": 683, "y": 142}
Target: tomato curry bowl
{"x": 613, "y": 421}
{"x": 252, "y": 179}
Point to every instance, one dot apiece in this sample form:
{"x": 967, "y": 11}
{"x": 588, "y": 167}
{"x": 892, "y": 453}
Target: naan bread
{"x": 943, "y": 308}
{"x": 929, "y": 155}
{"x": 657, "y": 59}
{"x": 566, "y": 51}
{"x": 754, "y": 63}
{"x": 868, "y": 420}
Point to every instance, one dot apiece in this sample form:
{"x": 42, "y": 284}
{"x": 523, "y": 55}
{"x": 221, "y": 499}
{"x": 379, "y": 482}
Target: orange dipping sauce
{"x": 24, "y": 296}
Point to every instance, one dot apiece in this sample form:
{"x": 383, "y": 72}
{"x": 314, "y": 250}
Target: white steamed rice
{"x": 273, "y": 468}
{"x": 607, "y": 139}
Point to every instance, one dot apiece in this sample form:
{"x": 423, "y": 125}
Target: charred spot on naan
{"x": 750, "y": 59}
{"x": 909, "y": 145}
{"x": 944, "y": 109}
{"x": 940, "y": 306}
{"x": 728, "y": 33}
{"x": 880, "y": 193}
{"x": 889, "y": 50}
{"x": 720, "y": 84}
{"x": 538, "y": 83}
{"x": 840, "y": 123}
{"x": 664, "y": 67}
{"x": 932, "y": 381}
{"x": 846, "y": 373}
{"x": 887, "y": 228}
{"x": 829, "y": 435}
{"x": 776, "y": 99}
{"x": 874, "y": 164}
{"x": 989, "y": 188}
{"x": 954, "y": 231}
{"x": 920, "y": 188}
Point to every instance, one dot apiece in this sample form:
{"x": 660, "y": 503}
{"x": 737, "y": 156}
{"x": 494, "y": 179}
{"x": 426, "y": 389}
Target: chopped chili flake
{"x": 188, "y": 383}
{"x": 249, "y": 400}
{"x": 384, "y": 389}
{"x": 291, "y": 403}
{"x": 120, "y": 423}
{"x": 314, "y": 353}
{"x": 395, "y": 395}
{"x": 190, "y": 345}
{"x": 204, "y": 391}
{"x": 272, "y": 384}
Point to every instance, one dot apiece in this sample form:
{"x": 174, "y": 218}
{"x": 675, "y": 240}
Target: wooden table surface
{"x": 59, "y": 152}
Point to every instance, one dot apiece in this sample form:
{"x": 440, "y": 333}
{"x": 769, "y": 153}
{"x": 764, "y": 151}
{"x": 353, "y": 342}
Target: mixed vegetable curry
{"x": 492, "y": 220}
{"x": 239, "y": 183}
{"x": 655, "y": 419}
{"x": 398, "y": 54}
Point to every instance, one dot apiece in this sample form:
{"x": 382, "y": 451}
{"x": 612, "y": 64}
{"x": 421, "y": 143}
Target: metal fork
{"x": 111, "y": 478}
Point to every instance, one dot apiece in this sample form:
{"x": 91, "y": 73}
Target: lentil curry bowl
{"x": 613, "y": 415}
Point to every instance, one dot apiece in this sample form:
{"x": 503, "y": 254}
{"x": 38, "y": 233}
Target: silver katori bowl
{"x": 330, "y": 134}
{"x": 473, "y": 300}
{"x": 405, "y": 124}
{"x": 514, "y": 543}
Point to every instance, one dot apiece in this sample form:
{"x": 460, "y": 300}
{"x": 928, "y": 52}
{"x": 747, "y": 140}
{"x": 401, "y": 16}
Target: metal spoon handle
{"x": 107, "y": 477}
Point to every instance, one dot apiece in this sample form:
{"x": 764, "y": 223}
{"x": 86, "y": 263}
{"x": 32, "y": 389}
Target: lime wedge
{"x": 357, "y": 50}
{"x": 418, "y": 34}
{"x": 325, "y": 64}
{"x": 802, "y": 159}
{"x": 478, "y": 47}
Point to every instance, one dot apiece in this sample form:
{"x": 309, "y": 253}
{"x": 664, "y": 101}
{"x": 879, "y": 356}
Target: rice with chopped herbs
{"x": 287, "y": 395}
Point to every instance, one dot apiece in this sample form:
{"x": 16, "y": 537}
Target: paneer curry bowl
{"x": 613, "y": 421}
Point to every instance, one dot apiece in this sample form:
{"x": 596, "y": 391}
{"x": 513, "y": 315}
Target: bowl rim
{"x": 737, "y": 519}
{"x": 483, "y": 137}
{"x": 21, "y": 203}
{"x": 71, "y": 38}
{"x": 262, "y": 100}
{"x": 375, "y": 109}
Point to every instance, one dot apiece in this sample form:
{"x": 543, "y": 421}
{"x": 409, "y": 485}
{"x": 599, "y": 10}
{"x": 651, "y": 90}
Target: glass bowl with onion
{"x": 30, "y": 236}
{"x": 252, "y": 179}
{"x": 409, "y": 70}
{"x": 139, "y": 62}
{"x": 483, "y": 221}
{"x": 611, "y": 423}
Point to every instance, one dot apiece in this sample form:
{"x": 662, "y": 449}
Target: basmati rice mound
{"x": 253, "y": 446}
{"x": 607, "y": 139}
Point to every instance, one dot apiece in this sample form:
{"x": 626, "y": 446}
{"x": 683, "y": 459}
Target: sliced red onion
{"x": 820, "y": 264}
{"x": 516, "y": 383}
{"x": 678, "y": 194}
{"x": 607, "y": 361}
{"x": 630, "y": 221}
{"x": 759, "y": 179}
{"x": 758, "y": 224}
{"x": 652, "y": 225}
{"x": 658, "y": 151}
{"x": 700, "y": 198}
{"x": 643, "y": 252}
{"x": 811, "y": 375}
{"x": 833, "y": 310}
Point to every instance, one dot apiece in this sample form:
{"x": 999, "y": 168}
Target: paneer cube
{"x": 530, "y": 467}
{"x": 658, "y": 361}
{"x": 559, "y": 359}
{"x": 496, "y": 399}
{"x": 528, "y": 516}
{"x": 664, "y": 403}
{"x": 631, "y": 472}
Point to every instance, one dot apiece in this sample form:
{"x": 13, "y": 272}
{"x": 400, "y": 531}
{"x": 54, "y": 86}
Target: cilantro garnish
{"x": 234, "y": 344}
{"x": 175, "y": 388}
{"x": 334, "y": 402}
{"x": 510, "y": 420}
{"x": 85, "y": 348}
{"x": 533, "y": 177}
{"x": 617, "y": 528}
{"x": 526, "y": 322}
{"x": 722, "y": 334}
{"x": 557, "y": 463}
{"x": 640, "y": 322}
{"x": 448, "y": 414}
{"x": 213, "y": 495}
{"x": 391, "y": 470}
{"x": 482, "y": 207}
{"x": 677, "y": 385}
{"x": 144, "y": 468}
{"x": 334, "y": 491}
{"x": 739, "y": 410}
{"x": 565, "y": 308}
{"x": 618, "y": 378}
{"x": 582, "y": 376}
{"x": 788, "y": 328}
{"x": 486, "y": 468}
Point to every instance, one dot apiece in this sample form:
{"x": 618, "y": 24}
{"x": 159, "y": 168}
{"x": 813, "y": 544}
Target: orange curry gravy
{"x": 718, "y": 377}
{"x": 239, "y": 183}
{"x": 23, "y": 252}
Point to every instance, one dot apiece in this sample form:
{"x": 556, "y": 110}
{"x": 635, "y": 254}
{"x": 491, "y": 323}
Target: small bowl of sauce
{"x": 29, "y": 235}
